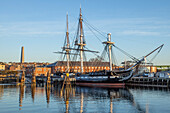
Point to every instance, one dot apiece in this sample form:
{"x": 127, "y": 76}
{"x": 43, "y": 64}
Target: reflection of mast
{"x": 111, "y": 105}
{"x": 81, "y": 103}
{"x": 66, "y": 95}
{"x": 21, "y": 95}
{"x": 33, "y": 89}
{"x": 147, "y": 108}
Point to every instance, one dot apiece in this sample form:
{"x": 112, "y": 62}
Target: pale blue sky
{"x": 137, "y": 26}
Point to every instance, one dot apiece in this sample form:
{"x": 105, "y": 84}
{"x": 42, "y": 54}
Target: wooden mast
{"x": 67, "y": 50}
{"x": 81, "y": 41}
{"x": 109, "y": 44}
{"x": 110, "y": 49}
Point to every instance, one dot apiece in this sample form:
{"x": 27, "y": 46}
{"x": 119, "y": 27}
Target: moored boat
{"x": 112, "y": 78}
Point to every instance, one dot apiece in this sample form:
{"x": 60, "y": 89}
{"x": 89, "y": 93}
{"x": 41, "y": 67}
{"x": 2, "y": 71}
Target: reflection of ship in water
{"x": 113, "y": 94}
{"x": 105, "y": 92}
{"x": 66, "y": 93}
{"x": 33, "y": 91}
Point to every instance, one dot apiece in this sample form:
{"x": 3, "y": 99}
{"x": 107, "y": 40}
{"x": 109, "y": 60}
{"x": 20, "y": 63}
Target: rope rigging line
{"x": 104, "y": 53}
{"x": 114, "y": 57}
{"x": 159, "y": 49}
{"x": 94, "y": 33}
{"x": 94, "y": 63}
{"x": 97, "y": 30}
{"x": 154, "y": 57}
{"x": 94, "y": 29}
{"x": 130, "y": 56}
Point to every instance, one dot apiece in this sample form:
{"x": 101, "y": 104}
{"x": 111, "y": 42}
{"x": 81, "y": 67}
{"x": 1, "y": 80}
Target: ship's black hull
{"x": 98, "y": 82}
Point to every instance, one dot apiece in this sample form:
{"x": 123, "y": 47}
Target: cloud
{"x": 31, "y": 28}
{"x": 125, "y": 26}
{"x": 135, "y": 32}
{"x": 38, "y": 33}
{"x": 135, "y": 26}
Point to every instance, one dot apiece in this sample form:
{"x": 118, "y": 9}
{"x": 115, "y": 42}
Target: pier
{"x": 149, "y": 82}
{"x": 56, "y": 80}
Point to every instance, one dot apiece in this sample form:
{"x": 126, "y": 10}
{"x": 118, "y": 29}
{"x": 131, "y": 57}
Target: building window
{"x": 39, "y": 69}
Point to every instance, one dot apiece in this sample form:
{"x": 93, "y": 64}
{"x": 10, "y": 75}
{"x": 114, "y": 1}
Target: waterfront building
{"x": 61, "y": 67}
{"x": 147, "y": 69}
{"x": 14, "y": 67}
{"x": 38, "y": 71}
{"x": 2, "y": 67}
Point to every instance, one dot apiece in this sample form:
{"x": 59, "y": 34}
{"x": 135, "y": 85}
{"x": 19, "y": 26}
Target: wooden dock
{"x": 135, "y": 81}
{"x": 149, "y": 82}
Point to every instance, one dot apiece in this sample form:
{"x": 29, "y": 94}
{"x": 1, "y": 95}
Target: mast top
{"x": 108, "y": 39}
{"x": 67, "y": 22}
{"x": 80, "y": 10}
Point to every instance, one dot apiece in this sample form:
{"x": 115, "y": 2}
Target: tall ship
{"x": 102, "y": 78}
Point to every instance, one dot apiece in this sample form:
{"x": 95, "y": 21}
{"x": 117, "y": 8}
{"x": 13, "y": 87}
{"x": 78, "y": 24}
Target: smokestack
{"x": 22, "y": 54}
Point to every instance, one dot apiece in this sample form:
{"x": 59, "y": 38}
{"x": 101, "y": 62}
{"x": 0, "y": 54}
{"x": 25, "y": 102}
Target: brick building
{"x": 61, "y": 66}
{"x": 39, "y": 71}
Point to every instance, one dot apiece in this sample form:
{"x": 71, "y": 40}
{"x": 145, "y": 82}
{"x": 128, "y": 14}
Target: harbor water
{"x": 38, "y": 99}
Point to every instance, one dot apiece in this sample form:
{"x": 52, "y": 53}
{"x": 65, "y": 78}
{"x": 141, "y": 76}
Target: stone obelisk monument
{"x": 22, "y": 54}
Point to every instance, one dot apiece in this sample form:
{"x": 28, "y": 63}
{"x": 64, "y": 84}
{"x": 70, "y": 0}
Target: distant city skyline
{"x": 137, "y": 27}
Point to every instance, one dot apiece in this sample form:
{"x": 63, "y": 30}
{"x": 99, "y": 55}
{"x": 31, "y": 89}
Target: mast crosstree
{"x": 109, "y": 46}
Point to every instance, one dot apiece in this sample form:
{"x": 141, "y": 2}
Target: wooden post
{"x": 48, "y": 82}
{"x": 23, "y": 78}
{"x": 33, "y": 82}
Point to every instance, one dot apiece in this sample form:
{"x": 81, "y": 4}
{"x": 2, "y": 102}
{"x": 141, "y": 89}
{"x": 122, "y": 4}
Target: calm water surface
{"x": 27, "y": 99}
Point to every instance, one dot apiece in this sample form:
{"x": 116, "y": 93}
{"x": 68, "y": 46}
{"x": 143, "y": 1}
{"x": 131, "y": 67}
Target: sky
{"x": 137, "y": 27}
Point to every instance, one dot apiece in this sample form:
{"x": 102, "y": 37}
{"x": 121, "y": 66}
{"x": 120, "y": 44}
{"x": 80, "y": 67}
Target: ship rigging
{"x": 80, "y": 48}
